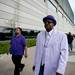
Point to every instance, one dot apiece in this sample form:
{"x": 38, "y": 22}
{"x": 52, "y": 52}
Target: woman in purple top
{"x": 17, "y": 49}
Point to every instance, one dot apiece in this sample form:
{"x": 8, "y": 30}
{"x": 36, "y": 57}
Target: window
{"x": 51, "y": 6}
{"x": 56, "y": 10}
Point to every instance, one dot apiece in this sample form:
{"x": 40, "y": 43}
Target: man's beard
{"x": 48, "y": 30}
{"x": 16, "y": 33}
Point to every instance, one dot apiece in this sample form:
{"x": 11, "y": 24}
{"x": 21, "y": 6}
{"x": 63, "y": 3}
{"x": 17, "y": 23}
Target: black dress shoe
{"x": 21, "y": 67}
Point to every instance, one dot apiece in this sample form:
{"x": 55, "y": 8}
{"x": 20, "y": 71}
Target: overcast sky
{"x": 72, "y": 3}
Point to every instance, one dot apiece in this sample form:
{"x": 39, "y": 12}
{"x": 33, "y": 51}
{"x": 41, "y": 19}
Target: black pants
{"x": 41, "y": 72}
{"x": 17, "y": 62}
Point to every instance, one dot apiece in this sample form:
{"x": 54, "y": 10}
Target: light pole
{"x": 16, "y": 16}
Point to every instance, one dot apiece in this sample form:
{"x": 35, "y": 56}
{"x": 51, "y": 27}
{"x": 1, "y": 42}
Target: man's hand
{"x": 58, "y": 73}
{"x": 26, "y": 52}
{"x": 25, "y": 55}
{"x": 33, "y": 68}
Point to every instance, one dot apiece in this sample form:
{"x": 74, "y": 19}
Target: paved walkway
{"x": 7, "y": 67}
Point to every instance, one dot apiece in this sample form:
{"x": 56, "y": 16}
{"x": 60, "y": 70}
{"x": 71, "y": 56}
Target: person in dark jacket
{"x": 70, "y": 41}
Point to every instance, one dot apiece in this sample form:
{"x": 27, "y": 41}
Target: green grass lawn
{"x": 31, "y": 42}
{"x": 4, "y": 46}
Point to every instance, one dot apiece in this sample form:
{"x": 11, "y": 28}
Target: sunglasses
{"x": 48, "y": 22}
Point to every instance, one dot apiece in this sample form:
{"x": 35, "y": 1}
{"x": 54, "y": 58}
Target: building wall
{"x": 63, "y": 22}
{"x": 24, "y": 13}
{"x": 28, "y": 14}
{"x": 67, "y": 8}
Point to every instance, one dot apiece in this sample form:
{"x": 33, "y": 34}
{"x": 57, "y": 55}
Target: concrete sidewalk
{"x": 7, "y": 67}
{"x": 70, "y": 70}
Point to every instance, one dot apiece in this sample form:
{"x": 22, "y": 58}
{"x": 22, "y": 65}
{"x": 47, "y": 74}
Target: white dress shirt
{"x": 47, "y": 37}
